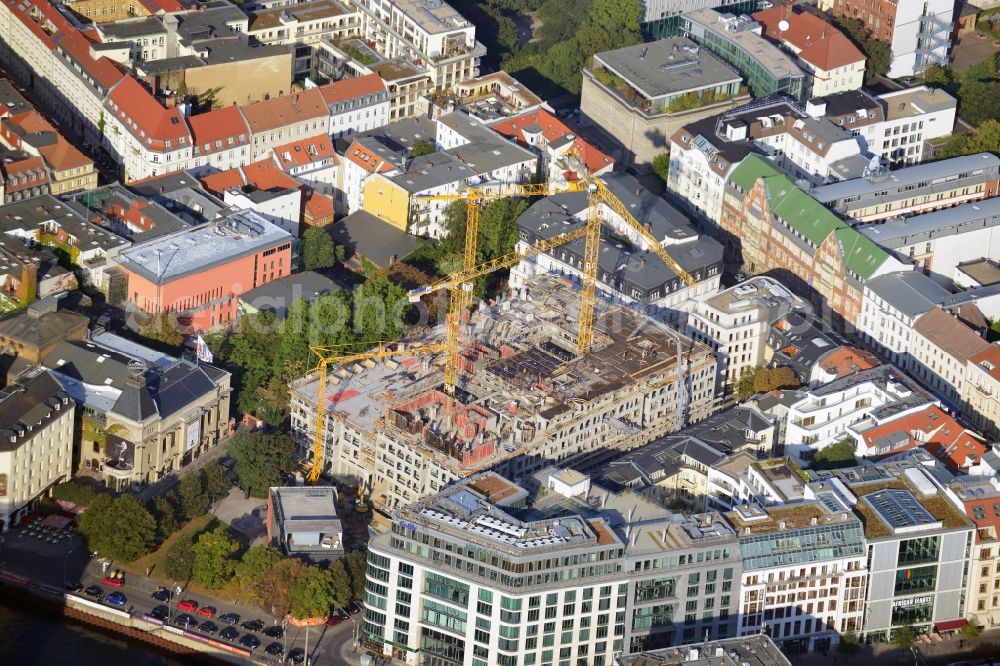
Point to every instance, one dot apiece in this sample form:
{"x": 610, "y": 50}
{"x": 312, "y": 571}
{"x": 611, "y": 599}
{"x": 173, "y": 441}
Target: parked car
{"x": 207, "y": 611}
{"x": 253, "y": 625}
{"x": 354, "y": 607}
{"x": 116, "y": 599}
{"x": 275, "y": 649}
{"x": 274, "y": 631}
{"x": 250, "y": 641}
{"x": 185, "y": 620}
{"x": 94, "y": 591}
{"x": 297, "y": 656}
{"x": 334, "y": 620}
{"x": 160, "y": 613}
{"x": 229, "y": 618}
{"x": 208, "y": 627}
{"x": 189, "y": 605}
{"x": 163, "y": 594}
{"x": 229, "y": 634}
{"x": 113, "y": 581}
{"x": 73, "y": 587}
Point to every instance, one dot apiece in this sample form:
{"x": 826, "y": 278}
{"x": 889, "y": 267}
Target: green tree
{"x": 498, "y": 230}
{"x": 162, "y": 327}
{"x": 985, "y": 138}
{"x": 121, "y": 528}
{"x": 768, "y": 379}
{"x": 421, "y": 148}
{"x": 938, "y": 76}
{"x": 313, "y": 594}
{"x": 213, "y": 480}
{"x": 253, "y": 358}
{"x": 76, "y": 492}
{"x": 357, "y": 565}
{"x": 562, "y": 64}
{"x": 849, "y": 643}
{"x": 213, "y": 558}
{"x": 254, "y": 571}
{"x": 970, "y": 631}
{"x": 834, "y": 456}
{"x": 904, "y": 638}
{"x": 277, "y": 587}
{"x": 878, "y": 59}
{"x": 379, "y": 310}
{"x": 261, "y": 460}
{"x": 661, "y": 166}
{"x": 342, "y": 589}
{"x": 179, "y": 561}
{"x": 453, "y": 221}
{"x": 619, "y": 18}
{"x": 193, "y": 500}
{"x": 165, "y": 516}
{"x": 318, "y": 249}
{"x": 979, "y": 101}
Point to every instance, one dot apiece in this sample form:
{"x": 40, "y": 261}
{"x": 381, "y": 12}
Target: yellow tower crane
{"x": 599, "y": 193}
{"x": 339, "y": 354}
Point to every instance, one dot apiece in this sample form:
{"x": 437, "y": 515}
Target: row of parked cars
{"x": 191, "y": 619}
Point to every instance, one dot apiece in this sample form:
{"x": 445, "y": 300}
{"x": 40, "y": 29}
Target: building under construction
{"x": 525, "y": 398}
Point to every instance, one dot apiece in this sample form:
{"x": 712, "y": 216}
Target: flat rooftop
{"x": 759, "y": 293}
{"x": 193, "y": 250}
{"x": 754, "y": 650}
{"x": 434, "y": 16}
{"x": 900, "y": 232}
{"x": 739, "y": 31}
{"x": 916, "y": 101}
{"x": 667, "y": 66}
{"x": 986, "y": 272}
{"x": 306, "y": 508}
{"x": 303, "y": 12}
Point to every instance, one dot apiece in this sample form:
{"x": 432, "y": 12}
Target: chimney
{"x": 137, "y": 374}
{"x": 29, "y": 282}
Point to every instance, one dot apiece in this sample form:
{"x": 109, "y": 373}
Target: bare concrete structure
{"x": 526, "y": 399}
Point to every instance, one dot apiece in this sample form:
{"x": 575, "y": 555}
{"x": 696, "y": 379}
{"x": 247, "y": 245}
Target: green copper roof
{"x": 752, "y": 168}
{"x": 807, "y": 216}
{"x": 860, "y": 254}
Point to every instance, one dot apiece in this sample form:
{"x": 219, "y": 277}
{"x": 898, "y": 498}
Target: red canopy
{"x": 57, "y": 521}
{"x": 950, "y": 625}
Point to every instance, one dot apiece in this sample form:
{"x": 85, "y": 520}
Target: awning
{"x": 57, "y": 521}
{"x": 950, "y": 625}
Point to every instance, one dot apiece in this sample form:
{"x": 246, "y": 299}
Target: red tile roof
{"x": 103, "y": 70}
{"x": 347, "y": 89}
{"x": 262, "y": 175}
{"x": 367, "y": 160}
{"x": 845, "y": 360}
{"x": 551, "y": 128}
{"x": 988, "y": 519}
{"x": 285, "y": 110}
{"x": 305, "y": 151}
{"x": 60, "y": 155}
{"x": 168, "y": 6}
{"x": 819, "y": 43}
{"x": 937, "y": 432}
{"x": 32, "y": 169}
{"x": 319, "y": 207}
{"x": 146, "y": 118}
{"x": 220, "y": 129}
{"x": 45, "y": 22}
{"x": 220, "y": 181}
{"x": 988, "y": 361}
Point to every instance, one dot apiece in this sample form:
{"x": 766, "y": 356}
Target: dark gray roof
{"x": 44, "y": 330}
{"x": 900, "y": 232}
{"x": 363, "y": 234}
{"x": 430, "y": 171}
{"x": 799, "y": 343}
{"x": 625, "y": 267}
{"x": 910, "y": 292}
{"x": 161, "y": 390}
{"x": 277, "y": 296}
{"x": 28, "y": 403}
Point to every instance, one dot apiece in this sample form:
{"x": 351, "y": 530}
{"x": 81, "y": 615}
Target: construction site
{"x": 525, "y": 398}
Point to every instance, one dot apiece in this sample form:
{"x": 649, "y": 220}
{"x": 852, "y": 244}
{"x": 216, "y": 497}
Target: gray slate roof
{"x": 364, "y": 234}
{"x": 910, "y": 292}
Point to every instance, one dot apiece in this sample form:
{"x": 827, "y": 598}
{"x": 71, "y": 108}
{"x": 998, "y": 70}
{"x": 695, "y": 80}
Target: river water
{"x": 27, "y": 638}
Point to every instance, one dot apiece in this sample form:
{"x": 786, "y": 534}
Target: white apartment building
{"x": 357, "y": 104}
{"x": 282, "y": 208}
{"x": 823, "y": 415}
{"x": 311, "y": 161}
{"x": 364, "y": 158}
{"x": 939, "y": 241}
{"x": 302, "y": 26}
{"x": 979, "y": 497}
{"x": 221, "y": 141}
{"x": 940, "y": 349}
{"x": 736, "y": 322}
{"x": 148, "y": 139}
{"x": 890, "y": 307}
{"x": 911, "y": 117}
{"x": 804, "y": 597}
{"x": 981, "y": 391}
{"x": 427, "y": 30}
{"x": 36, "y": 452}
{"x": 496, "y": 582}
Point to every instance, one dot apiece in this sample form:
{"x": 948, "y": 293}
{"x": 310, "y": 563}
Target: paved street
{"x": 43, "y": 562}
